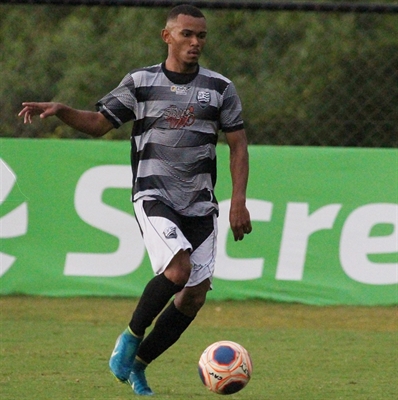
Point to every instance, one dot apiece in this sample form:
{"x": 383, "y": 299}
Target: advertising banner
{"x": 325, "y": 224}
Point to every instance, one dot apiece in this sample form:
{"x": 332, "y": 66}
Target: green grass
{"x": 59, "y": 349}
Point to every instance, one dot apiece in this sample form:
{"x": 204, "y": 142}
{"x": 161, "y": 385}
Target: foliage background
{"x": 305, "y": 78}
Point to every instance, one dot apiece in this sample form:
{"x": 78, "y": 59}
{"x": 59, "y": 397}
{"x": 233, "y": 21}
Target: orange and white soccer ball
{"x": 225, "y": 367}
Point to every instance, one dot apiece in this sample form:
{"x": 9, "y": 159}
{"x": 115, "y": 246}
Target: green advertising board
{"x": 325, "y": 224}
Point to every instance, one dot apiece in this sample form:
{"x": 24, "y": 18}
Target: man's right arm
{"x": 89, "y": 122}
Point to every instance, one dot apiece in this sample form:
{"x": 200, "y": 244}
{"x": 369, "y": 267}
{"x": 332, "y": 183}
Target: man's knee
{"x": 179, "y": 268}
{"x": 191, "y": 299}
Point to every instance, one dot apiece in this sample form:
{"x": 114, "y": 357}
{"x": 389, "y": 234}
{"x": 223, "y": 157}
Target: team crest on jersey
{"x": 180, "y": 90}
{"x": 170, "y": 232}
{"x": 203, "y": 98}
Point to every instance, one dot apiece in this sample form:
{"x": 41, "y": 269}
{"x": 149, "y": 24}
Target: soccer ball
{"x": 225, "y": 367}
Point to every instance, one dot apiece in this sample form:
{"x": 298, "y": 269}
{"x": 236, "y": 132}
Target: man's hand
{"x": 239, "y": 219}
{"x": 43, "y": 109}
{"x": 90, "y": 122}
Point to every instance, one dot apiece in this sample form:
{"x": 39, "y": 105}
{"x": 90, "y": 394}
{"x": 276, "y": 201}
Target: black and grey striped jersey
{"x": 176, "y": 123}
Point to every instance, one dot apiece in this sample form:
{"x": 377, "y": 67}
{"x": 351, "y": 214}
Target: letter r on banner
{"x": 243, "y": 269}
{"x": 299, "y": 226}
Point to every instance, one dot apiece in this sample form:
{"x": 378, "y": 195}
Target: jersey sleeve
{"x": 120, "y": 104}
{"x": 231, "y": 109}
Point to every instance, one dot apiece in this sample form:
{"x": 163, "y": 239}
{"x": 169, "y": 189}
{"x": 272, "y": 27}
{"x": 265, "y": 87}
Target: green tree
{"x": 304, "y": 78}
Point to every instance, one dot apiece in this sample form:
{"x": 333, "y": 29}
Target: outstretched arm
{"x": 239, "y": 216}
{"x": 90, "y": 122}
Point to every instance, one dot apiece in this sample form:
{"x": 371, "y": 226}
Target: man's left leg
{"x": 201, "y": 234}
{"x": 168, "y": 328}
{"x": 155, "y": 297}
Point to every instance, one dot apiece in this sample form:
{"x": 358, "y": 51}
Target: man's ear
{"x": 165, "y": 36}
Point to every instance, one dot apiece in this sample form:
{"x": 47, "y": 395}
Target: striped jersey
{"x": 176, "y": 122}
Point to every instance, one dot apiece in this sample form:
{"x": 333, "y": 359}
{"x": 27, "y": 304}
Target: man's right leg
{"x": 170, "y": 259}
{"x": 156, "y": 295}
{"x": 178, "y": 271}
{"x": 171, "y": 323}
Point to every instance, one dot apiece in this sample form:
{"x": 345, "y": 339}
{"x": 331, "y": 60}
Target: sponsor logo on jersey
{"x": 170, "y": 233}
{"x": 203, "y": 98}
{"x": 179, "y": 118}
{"x": 180, "y": 90}
{"x": 197, "y": 267}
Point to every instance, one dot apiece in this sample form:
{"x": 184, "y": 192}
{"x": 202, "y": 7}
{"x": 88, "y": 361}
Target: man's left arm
{"x": 239, "y": 216}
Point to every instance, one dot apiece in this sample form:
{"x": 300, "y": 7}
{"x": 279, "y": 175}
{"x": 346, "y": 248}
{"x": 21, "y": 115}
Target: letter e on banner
{"x": 356, "y": 244}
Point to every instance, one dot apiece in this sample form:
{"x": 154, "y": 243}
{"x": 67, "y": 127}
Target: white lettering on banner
{"x": 241, "y": 268}
{"x": 93, "y": 211}
{"x": 15, "y": 223}
{"x": 298, "y": 227}
{"x": 356, "y": 244}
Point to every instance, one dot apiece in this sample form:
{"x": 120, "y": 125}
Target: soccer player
{"x": 177, "y": 107}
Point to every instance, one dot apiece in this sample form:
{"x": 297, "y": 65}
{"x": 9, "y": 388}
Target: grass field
{"x": 59, "y": 348}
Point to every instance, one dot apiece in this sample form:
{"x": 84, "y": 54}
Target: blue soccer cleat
{"x": 122, "y": 358}
{"x": 138, "y": 381}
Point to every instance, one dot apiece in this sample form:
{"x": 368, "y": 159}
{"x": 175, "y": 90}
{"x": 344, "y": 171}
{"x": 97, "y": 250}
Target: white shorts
{"x": 165, "y": 233}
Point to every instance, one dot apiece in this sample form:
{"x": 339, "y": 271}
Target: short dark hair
{"x": 185, "y": 9}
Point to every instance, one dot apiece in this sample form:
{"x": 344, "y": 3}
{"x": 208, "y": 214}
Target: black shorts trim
{"x": 195, "y": 229}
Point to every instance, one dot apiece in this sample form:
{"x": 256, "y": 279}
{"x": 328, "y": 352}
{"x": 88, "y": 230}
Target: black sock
{"x": 156, "y": 295}
{"x": 167, "y": 330}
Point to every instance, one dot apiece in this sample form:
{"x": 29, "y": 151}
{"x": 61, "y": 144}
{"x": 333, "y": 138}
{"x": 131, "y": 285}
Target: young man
{"x": 177, "y": 108}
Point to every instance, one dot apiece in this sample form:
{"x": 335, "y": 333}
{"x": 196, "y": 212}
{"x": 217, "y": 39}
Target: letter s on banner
{"x": 356, "y": 243}
{"x": 93, "y": 211}
{"x": 243, "y": 269}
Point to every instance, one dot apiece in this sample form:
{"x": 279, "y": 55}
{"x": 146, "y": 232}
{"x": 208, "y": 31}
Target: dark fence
{"x": 309, "y": 73}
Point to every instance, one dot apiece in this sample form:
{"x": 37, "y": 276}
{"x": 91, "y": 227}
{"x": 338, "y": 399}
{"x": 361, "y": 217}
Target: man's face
{"x": 186, "y": 37}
